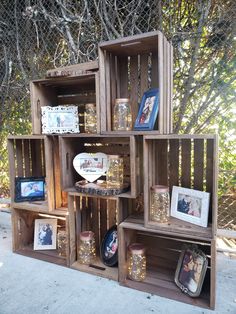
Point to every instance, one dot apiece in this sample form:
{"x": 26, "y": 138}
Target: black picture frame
{"x": 109, "y": 248}
{"x": 29, "y": 189}
{"x": 191, "y": 270}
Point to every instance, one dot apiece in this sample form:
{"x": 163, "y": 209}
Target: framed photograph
{"x": 29, "y": 189}
{"x": 191, "y": 271}
{"x": 190, "y": 205}
{"x": 60, "y": 119}
{"x": 109, "y": 247}
{"x": 90, "y": 166}
{"x": 148, "y": 110}
{"x": 45, "y": 234}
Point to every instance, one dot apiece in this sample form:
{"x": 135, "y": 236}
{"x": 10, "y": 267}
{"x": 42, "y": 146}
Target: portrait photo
{"x": 29, "y": 189}
{"x": 148, "y": 110}
{"x": 190, "y": 205}
{"x": 45, "y": 232}
{"x": 191, "y": 270}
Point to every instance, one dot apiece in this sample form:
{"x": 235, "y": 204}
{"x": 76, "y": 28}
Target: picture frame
{"x": 191, "y": 270}
{"x": 190, "y": 205}
{"x": 60, "y": 119}
{"x": 90, "y": 166}
{"x": 29, "y": 189}
{"x": 45, "y": 234}
{"x": 148, "y": 110}
{"x": 109, "y": 247}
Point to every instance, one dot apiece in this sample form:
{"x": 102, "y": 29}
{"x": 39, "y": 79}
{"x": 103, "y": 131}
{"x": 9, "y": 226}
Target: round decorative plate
{"x": 109, "y": 247}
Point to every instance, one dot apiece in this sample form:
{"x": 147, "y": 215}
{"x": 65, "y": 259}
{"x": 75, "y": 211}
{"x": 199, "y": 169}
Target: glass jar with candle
{"x": 122, "y": 118}
{"x": 61, "y": 242}
{"x": 87, "y": 247}
{"x": 90, "y": 118}
{"x": 115, "y": 172}
{"x": 136, "y": 262}
{"x": 159, "y": 203}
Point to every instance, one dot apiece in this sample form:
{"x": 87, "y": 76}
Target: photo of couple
{"x": 189, "y": 205}
{"x": 191, "y": 271}
{"x": 32, "y": 189}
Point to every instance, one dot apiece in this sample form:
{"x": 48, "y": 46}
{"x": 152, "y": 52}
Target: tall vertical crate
{"x": 34, "y": 156}
{"x": 59, "y": 91}
{"x": 188, "y": 161}
{"x": 130, "y": 66}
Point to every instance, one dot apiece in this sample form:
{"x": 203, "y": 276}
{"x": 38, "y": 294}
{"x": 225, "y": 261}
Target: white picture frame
{"x": 45, "y": 234}
{"x": 60, "y": 119}
{"x": 190, "y": 205}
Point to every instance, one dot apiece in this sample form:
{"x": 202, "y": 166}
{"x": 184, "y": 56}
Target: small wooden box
{"x": 130, "y": 66}
{"x": 188, "y": 161}
{"x": 96, "y": 214}
{"x": 34, "y": 156}
{"x": 162, "y": 255}
{"x": 57, "y": 91}
{"x": 23, "y": 223}
{"x": 125, "y": 146}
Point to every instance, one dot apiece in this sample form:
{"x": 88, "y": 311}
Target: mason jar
{"x": 136, "y": 262}
{"x": 115, "y": 172}
{"x": 90, "y": 118}
{"x": 159, "y": 203}
{"x": 87, "y": 247}
{"x": 122, "y": 116}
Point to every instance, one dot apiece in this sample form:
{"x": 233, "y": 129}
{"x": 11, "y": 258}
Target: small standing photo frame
{"x": 60, "y": 119}
{"x": 190, "y": 205}
{"x": 45, "y": 234}
{"x": 191, "y": 271}
{"x": 29, "y": 189}
{"x": 109, "y": 247}
{"x": 148, "y": 110}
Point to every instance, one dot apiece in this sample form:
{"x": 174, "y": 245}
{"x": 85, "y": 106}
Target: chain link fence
{"x": 38, "y": 35}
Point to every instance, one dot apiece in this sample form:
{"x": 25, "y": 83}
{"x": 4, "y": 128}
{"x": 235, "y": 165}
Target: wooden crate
{"x": 97, "y": 214}
{"x": 37, "y": 155}
{"x": 162, "y": 254}
{"x": 73, "y": 90}
{"x": 125, "y": 146}
{"x": 189, "y": 161}
{"x": 23, "y": 222}
{"x": 130, "y": 66}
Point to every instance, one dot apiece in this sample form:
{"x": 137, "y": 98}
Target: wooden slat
{"x": 160, "y": 80}
{"x": 134, "y": 86}
{"x": 112, "y": 217}
{"x": 173, "y": 163}
{"x": 171, "y": 90}
{"x": 198, "y": 164}
{"x": 162, "y": 162}
{"x": 19, "y": 158}
{"x": 186, "y": 163}
{"x": 114, "y": 95}
{"x": 26, "y": 158}
{"x": 122, "y": 68}
{"x": 154, "y": 70}
{"x": 103, "y": 87}
{"x": 72, "y": 234}
{"x": 98, "y": 108}
{"x": 77, "y": 99}
{"x": 143, "y": 73}
{"x": 103, "y": 217}
{"x": 12, "y": 167}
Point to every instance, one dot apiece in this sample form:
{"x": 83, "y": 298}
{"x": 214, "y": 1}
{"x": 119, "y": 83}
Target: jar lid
{"x": 160, "y": 188}
{"x": 121, "y": 100}
{"x": 86, "y": 235}
{"x": 114, "y": 156}
{"x": 90, "y": 105}
{"x": 136, "y": 248}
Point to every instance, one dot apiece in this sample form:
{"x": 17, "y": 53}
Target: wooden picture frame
{"x": 190, "y": 205}
{"x": 45, "y": 234}
{"x": 190, "y": 271}
{"x": 148, "y": 110}
{"x": 29, "y": 189}
{"x": 60, "y": 119}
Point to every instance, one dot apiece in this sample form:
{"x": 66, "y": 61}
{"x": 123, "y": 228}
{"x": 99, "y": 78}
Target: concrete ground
{"x": 30, "y": 286}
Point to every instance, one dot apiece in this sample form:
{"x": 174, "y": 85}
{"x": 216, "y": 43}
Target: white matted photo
{"x": 190, "y": 205}
{"x": 60, "y": 119}
{"x": 45, "y": 234}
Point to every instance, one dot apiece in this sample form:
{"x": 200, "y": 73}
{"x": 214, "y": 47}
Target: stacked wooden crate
{"x": 127, "y": 68}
